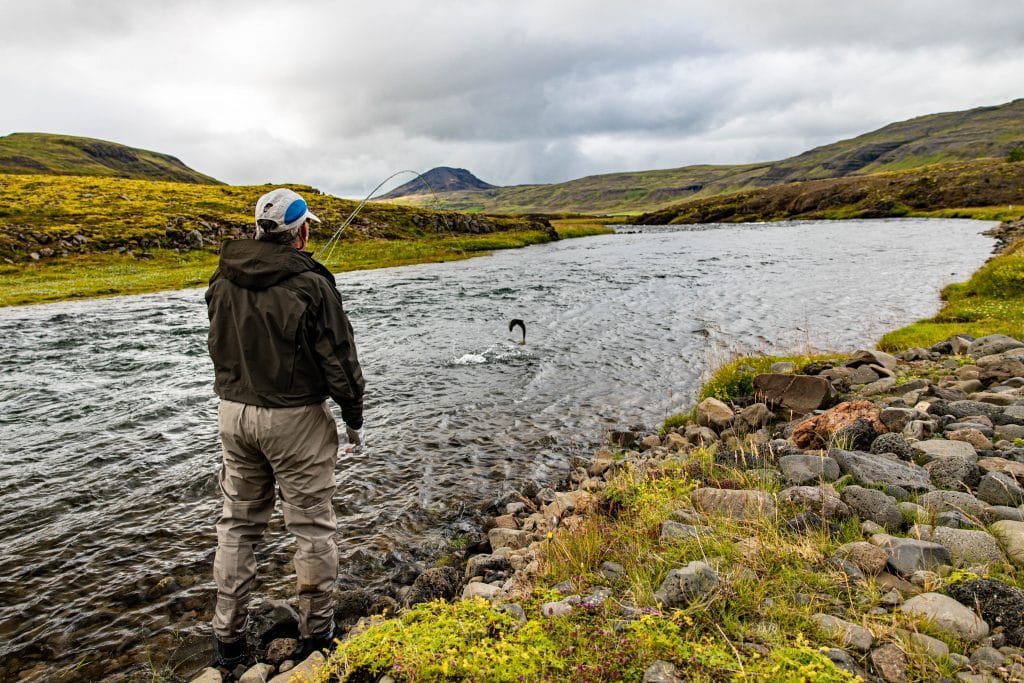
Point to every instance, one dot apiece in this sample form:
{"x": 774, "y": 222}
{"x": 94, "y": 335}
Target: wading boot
{"x": 228, "y": 655}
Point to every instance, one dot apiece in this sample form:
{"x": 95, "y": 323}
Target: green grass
{"x": 991, "y": 302}
{"x": 106, "y": 274}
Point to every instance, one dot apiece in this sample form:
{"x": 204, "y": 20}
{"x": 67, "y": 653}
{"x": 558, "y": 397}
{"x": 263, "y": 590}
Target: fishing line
{"x": 327, "y": 250}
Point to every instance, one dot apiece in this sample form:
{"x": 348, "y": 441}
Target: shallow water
{"x": 108, "y": 445}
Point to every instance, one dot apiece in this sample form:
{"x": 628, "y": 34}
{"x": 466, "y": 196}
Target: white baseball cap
{"x": 282, "y": 209}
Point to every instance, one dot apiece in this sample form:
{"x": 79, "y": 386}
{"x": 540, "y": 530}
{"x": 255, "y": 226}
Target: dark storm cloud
{"x": 342, "y": 94}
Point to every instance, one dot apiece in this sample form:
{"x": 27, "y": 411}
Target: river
{"x": 109, "y": 451}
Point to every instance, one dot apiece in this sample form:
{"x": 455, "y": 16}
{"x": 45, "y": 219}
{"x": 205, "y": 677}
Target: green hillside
{"x": 49, "y": 154}
{"x": 984, "y": 132}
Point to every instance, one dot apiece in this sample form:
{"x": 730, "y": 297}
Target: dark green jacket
{"x": 279, "y": 336}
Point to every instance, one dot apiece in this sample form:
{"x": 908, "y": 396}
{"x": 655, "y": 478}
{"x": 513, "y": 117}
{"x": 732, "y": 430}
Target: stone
{"x": 817, "y": 431}
{"x": 810, "y": 522}
{"x": 992, "y": 344}
{"x": 613, "y": 571}
{"x": 872, "y": 357}
{"x": 935, "y": 448}
{"x": 877, "y": 387}
{"x": 209, "y": 675}
{"x": 946, "y": 615}
{"x": 925, "y": 644}
{"x": 683, "y": 586}
{"x": 913, "y": 512}
{"x": 1001, "y": 370}
{"x": 820, "y": 499}
{"x": 919, "y": 430}
{"x": 556, "y": 609}
{"x": 1002, "y": 512}
{"x": 676, "y": 442}
{"x": 505, "y": 522}
{"x": 889, "y": 663}
{"x": 965, "y": 546}
{"x": 782, "y": 367}
{"x": 886, "y": 582}
{"x": 714, "y": 414}
{"x": 1011, "y": 534}
{"x": 996, "y": 488}
{"x": 895, "y": 419}
{"x": 869, "y": 469}
{"x": 257, "y": 673}
{"x": 843, "y": 632}
{"x": 973, "y": 437}
{"x": 756, "y": 415}
{"x": 873, "y": 505}
{"x": 737, "y": 504}
{"x": 674, "y": 531}
{"x": 436, "y": 583}
{"x": 1008, "y": 432}
{"x": 794, "y": 395}
{"x": 601, "y": 461}
{"x": 481, "y": 565}
{"x": 281, "y": 649}
{"x": 649, "y": 442}
{"x": 509, "y": 538}
{"x": 1000, "y": 605}
{"x": 953, "y": 472}
{"x": 962, "y": 409}
{"x": 908, "y": 555}
{"x": 941, "y": 501}
{"x": 845, "y": 661}
{"x": 868, "y": 558}
{"x": 304, "y": 671}
{"x": 952, "y": 519}
{"x": 987, "y": 659}
{"x": 894, "y": 443}
{"x": 808, "y": 469}
{"x": 661, "y": 671}
{"x": 479, "y": 589}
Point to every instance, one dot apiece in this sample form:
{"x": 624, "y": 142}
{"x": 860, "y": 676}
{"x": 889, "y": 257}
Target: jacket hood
{"x": 258, "y": 265}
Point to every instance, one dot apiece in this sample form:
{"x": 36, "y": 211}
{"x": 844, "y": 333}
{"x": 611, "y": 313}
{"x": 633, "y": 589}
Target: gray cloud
{"x": 340, "y": 95}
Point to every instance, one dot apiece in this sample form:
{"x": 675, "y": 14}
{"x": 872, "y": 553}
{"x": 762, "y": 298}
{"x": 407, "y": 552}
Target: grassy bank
{"x": 110, "y": 274}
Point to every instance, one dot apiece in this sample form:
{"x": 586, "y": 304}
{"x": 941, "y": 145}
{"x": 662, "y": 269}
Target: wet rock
{"x": 947, "y": 615}
{"x": 998, "y": 603}
{"x": 793, "y": 395}
{"x": 819, "y": 430}
{"x": 436, "y": 583}
{"x": 996, "y": 488}
{"x": 873, "y": 505}
{"x": 661, "y": 671}
{"x": 714, "y": 414}
{"x": 869, "y": 469}
{"x": 908, "y": 555}
{"x": 820, "y": 499}
{"x": 894, "y": 443}
{"x": 737, "y": 504}
{"x": 275, "y": 619}
{"x": 845, "y": 633}
{"x": 683, "y": 586}
{"x": 964, "y": 545}
{"x": 807, "y": 469}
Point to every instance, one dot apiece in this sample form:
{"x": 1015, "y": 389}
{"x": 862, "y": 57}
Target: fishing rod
{"x": 327, "y": 250}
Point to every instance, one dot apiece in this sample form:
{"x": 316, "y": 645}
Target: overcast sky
{"x": 341, "y": 94}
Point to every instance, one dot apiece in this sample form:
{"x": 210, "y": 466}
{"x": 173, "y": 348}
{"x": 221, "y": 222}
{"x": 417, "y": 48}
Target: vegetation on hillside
{"x": 958, "y": 185}
{"x": 51, "y": 154}
{"x": 985, "y": 132}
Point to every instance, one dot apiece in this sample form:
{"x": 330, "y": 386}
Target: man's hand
{"x": 356, "y": 437}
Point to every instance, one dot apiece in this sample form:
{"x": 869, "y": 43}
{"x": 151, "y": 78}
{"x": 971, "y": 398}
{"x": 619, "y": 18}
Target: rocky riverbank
{"x": 900, "y": 479}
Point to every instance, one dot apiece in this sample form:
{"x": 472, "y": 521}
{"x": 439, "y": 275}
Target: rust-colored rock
{"x": 815, "y": 432}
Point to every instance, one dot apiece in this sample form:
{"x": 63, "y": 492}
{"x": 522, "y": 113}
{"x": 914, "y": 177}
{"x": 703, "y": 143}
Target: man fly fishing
{"x": 281, "y": 344}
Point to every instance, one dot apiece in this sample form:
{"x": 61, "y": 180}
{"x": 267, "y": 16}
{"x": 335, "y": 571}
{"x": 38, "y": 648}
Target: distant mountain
{"x": 440, "y": 179}
{"x": 984, "y": 132}
{"x": 51, "y": 154}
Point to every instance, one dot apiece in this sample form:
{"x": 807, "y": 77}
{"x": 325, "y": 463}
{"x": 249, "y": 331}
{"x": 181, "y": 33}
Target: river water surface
{"x": 108, "y": 444}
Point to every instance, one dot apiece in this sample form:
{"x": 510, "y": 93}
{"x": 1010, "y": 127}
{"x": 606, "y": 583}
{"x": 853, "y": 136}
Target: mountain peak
{"x": 440, "y": 179}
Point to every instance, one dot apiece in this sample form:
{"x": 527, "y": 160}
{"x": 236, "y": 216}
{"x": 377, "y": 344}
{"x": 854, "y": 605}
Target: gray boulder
{"x": 895, "y": 419}
{"x": 938, "y": 448}
{"x": 871, "y": 469}
{"x": 965, "y": 546}
{"x": 793, "y": 394}
{"x": 895, "y": 443}
{"x": 737, "y": 504}
{"x": 991, "y": 345}
{"x": 908, "y": 555}
{"x": 873, "y": 505}
{"x": 808, "y": 469}
{"x": 822, "y": 500}
{"x": 843, "y": 632}
{"x": 941, "y": 501}
{"x": 996, "y": 488}
{"x": 947, "y": 615}
{"x": 683, "y": 586}
{"x": 953, "y": 472}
